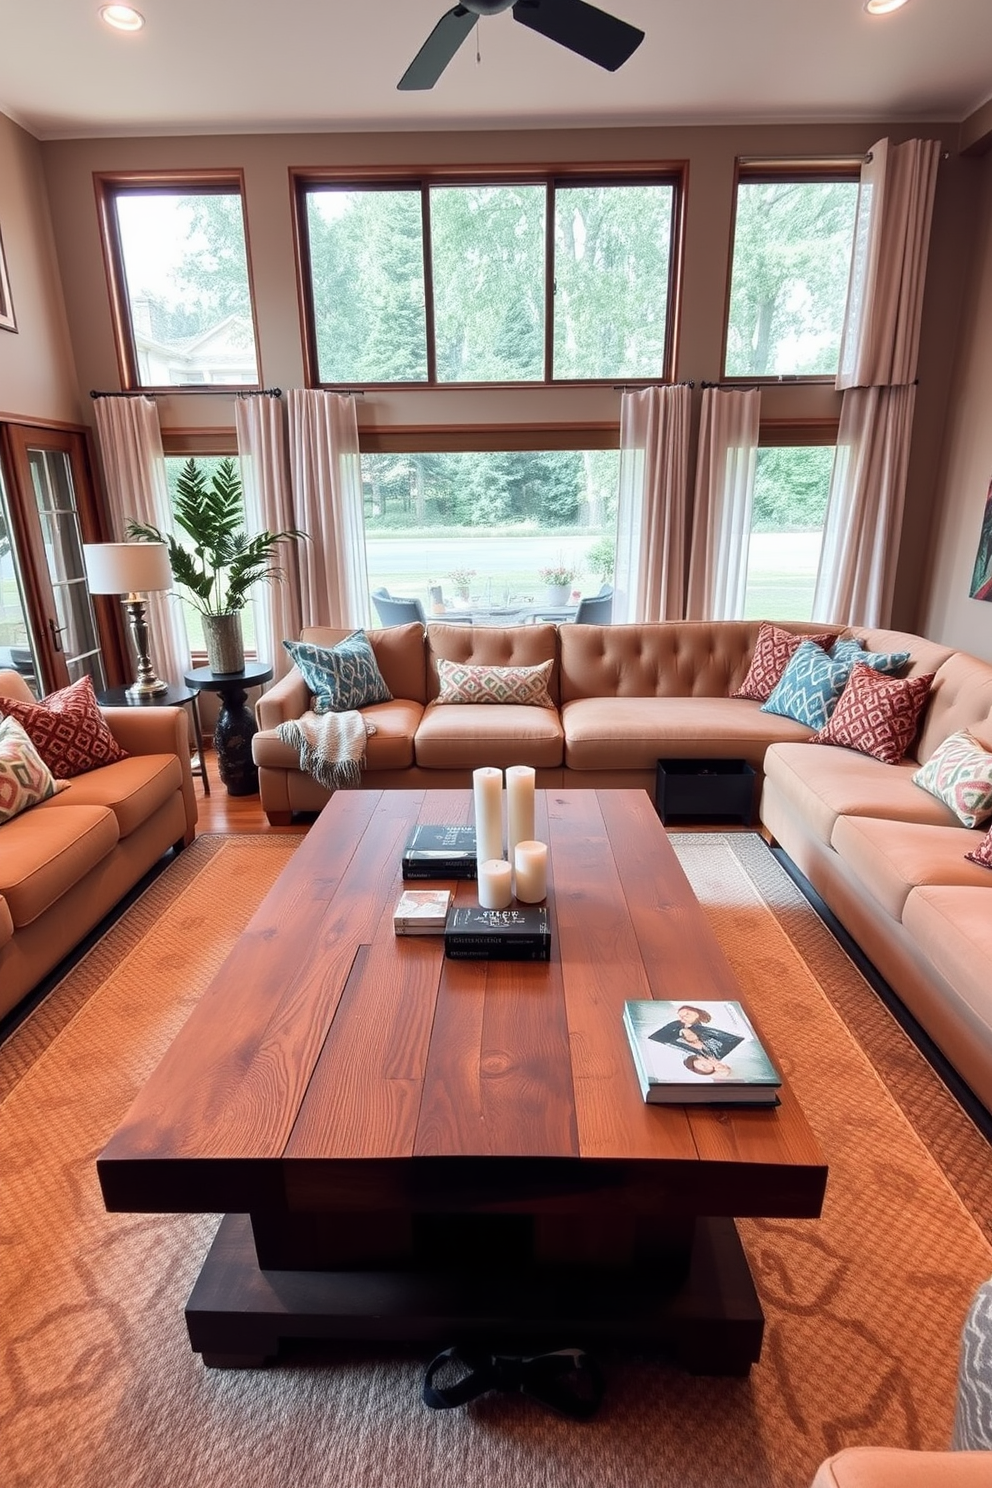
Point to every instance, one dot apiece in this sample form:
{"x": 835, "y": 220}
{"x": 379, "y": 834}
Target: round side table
{"x": 172, "y": 697}
{"x": 236, "y": 725}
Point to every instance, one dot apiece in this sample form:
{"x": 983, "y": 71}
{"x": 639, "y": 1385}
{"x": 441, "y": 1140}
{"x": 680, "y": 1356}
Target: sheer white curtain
{"x": 721, "y": 521}
{"x": 861, "y": 529}
{"x": 264, "y": 456}
{"x": 326, "y": 472}
{"x": 877, "y": 371}
{"x": 130, "y": 441}
{"x": 649, "y": 572}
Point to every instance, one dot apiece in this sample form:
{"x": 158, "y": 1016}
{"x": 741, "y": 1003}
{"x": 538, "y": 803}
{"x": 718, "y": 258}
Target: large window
{"x": 793, "y": 238}
{"x": 441, "y": 283}
{"x": 178, "y": 263}
{"x": 790, "y": 500}
{"x": 476, "y": 529}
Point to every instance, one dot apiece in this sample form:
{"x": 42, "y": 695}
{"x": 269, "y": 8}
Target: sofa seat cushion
{"x": 389, "y": 748}
{"x": 822, "y": 782}
{"x": 6, "y": 923}
{"x": 463, "y": 736}
{"x": 892, "y": 857}
{"x": 952, "y": 926}
{"x": 900, "y": 1467}
{"x": 133, "y": 789}
{"x": 623, "y": 733}
{"x": 45, "y": 853}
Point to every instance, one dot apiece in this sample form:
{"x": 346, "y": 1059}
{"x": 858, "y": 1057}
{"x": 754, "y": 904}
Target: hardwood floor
{"x": 220, "y": 812}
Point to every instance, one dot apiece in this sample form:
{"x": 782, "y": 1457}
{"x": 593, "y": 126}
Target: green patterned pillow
{"x": 809, "y": 687}
{"x": 959, "y": 773}
{"x": 341, "y": 677}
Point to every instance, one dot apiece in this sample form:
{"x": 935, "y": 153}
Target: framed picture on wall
{"x": 981, "y": 578}
{"x": 7, "y": 321}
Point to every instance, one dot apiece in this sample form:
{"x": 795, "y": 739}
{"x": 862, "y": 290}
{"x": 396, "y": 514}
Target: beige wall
{"x": 710, "y": 152}
{"x": 37, "y": 376}
{"x": 949, "y": 613}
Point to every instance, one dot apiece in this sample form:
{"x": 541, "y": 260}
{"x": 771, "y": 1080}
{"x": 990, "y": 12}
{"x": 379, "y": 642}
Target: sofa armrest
{"x": 158, "y": 731}
{"x": 289, "y": 698}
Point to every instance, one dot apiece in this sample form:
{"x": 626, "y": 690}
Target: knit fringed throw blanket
{"x": 331, "y": 746}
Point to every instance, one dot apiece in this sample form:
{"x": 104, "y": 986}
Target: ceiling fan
{"x": 601, "y": 38}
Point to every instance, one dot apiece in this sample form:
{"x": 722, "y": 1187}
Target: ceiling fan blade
{"x": 438, "y": 50}
{"x": 601, "y": 38}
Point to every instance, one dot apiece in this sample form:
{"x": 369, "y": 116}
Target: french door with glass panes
{"x": 48, "y": 622}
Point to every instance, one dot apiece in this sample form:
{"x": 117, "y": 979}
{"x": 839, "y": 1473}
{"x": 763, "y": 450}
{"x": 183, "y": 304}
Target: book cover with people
{"x": 704, "y": 1053}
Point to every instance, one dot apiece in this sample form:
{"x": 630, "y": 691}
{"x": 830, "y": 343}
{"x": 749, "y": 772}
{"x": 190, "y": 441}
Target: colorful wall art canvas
{"x": 981, "y": 579}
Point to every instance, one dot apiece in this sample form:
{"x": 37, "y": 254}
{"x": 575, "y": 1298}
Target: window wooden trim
{"x": 663, "y": 173}
{"x": 759, "y": 168}
{"x": 109, "y": 185}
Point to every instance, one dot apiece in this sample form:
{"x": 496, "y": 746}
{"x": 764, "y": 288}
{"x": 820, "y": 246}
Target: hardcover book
{"x": 703, "y": 1053}
{"x": 435, "y": 850}
{"x": 421, "y": 911}
{"x": 522, "y": 933}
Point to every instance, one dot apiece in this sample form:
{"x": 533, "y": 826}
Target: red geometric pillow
{"x": 67, "y": 729}
{"x": 772, "y": 651}
{"x": 877, "y": 715}
{"x": 983, "y": 852}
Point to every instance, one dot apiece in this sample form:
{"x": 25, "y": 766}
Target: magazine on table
{"x": 705, "y": 1053}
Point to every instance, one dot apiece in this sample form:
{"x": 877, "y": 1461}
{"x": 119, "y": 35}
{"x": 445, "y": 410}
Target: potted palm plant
{"x": 219, "y": 564}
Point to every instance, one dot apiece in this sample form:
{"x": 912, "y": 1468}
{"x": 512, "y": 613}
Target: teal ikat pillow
{"x": 341, "y": 677}
{"x": 810, "y": 686}
{"x": 890, "y": 663}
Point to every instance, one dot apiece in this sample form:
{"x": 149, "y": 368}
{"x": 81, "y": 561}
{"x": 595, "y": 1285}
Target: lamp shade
{"x": 127, "y": 568}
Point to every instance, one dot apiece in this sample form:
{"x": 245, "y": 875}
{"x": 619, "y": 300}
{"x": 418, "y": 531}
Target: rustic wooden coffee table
{"x": 411, "y": 1148}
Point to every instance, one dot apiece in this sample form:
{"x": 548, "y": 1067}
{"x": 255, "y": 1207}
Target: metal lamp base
{"x": 147, "y": 684}
{"x": 146, "y": 688}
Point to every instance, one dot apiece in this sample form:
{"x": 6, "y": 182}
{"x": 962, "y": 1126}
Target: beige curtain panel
{"x": 721, "y": 524}
{"x": 130, "y": 440}
{"x": 326, "y": 473}
{"x": 262, "y": 449}
{"x": 881, "y": 335}
{"x": 649, "y": 573}
{"x": 878, "y": 362}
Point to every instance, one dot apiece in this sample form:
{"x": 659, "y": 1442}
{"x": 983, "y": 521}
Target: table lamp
{"x": 132, "y": 570}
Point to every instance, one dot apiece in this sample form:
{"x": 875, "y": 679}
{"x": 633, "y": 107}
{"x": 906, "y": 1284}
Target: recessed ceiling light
{"x": 122, "y": 17}
{"x": 882, "y": 7}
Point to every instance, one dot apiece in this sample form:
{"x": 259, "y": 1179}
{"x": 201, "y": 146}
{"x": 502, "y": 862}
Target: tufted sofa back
{"x": 684, "y": 658}
{"x": 504, "y": 645}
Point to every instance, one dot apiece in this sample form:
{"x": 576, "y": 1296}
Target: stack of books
{"x": 422, "y": 912}
{"x": 704, "y": 1053}
{"x": 522, "y": 933}
{"x": 439, "y": 851}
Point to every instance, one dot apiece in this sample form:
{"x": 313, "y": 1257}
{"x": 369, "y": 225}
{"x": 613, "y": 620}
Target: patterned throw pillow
{"x": 877, "y": 715}
{"x": 341, "y": 677}
{"x": 983, "y": 852}
{"x": 890, "y": 663}
{"x": 809, "y": 687}
{"x": 463, "y": 683}
{"x": 959, "y": 773}
{"x": 68, "y": 730}
{"x": 25, "y": 779}
{"x": 772, "y": 651}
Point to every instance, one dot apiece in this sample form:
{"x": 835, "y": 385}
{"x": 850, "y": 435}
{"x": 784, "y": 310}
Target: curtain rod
{"x": 638, "y": 387}
{"x": 733, "y": 387}
{"x": 198, "y": 388}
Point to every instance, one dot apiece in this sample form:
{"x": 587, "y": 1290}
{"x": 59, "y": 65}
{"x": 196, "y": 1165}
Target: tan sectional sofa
{"x": 887, "y": 858}
{"x": 65, "y": 863}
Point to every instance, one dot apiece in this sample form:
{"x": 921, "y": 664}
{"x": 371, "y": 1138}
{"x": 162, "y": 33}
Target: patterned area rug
{"x": 864, "y": 1307}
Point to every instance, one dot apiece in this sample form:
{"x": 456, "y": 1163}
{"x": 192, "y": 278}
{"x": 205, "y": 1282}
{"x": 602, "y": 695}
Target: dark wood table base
{"x": 238, "y": 1314}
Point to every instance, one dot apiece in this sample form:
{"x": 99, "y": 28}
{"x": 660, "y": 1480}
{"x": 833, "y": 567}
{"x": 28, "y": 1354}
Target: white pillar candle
{"x": 487, "y": 788}
{"x": 494, "y": 884}
{"x": 530, "y": 871}
{"x": 519, "y": 806}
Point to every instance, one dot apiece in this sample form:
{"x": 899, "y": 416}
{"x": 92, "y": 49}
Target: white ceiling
{"x": 244, "y": 66}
